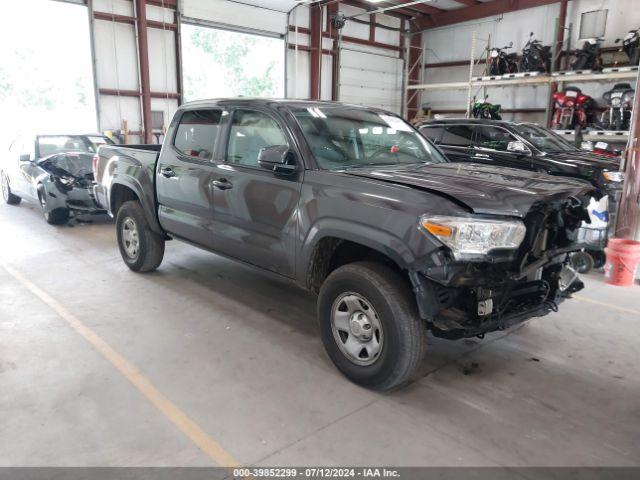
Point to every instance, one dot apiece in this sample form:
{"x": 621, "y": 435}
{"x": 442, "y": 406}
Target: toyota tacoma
{"x": 354, "y": 204}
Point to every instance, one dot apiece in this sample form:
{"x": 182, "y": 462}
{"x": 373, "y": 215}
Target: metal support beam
{"x": 143, "y": 56}
{"x": 315, "y": 60}
{"x": 481, "y": 10}
{"x": 628, "y": 222}
{"x": 414, "y": 74}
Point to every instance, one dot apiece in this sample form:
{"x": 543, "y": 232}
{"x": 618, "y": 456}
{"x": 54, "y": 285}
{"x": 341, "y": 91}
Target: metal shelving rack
{"x": 534, "y": 79}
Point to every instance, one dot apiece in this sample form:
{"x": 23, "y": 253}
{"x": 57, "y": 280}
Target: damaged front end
{"x": 68, "y": 183}
{"x": 467, "y": 295}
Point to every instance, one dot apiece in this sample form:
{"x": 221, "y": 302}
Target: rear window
{"x": 432, "y": 132}
{"x": 196, "y": 133}
{"x": 458, "y": 135}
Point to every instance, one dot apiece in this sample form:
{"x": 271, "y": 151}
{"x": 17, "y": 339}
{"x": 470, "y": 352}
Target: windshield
{"x": 52, "y": 144}
{"x": 342, "y": 137}
{"x": 543, "y": 139}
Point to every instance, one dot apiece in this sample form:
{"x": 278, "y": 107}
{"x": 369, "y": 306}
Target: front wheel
{"x": 53, "y": 216}
{"x": 8, "y": 197}
{"x": 141, "y": 248}
{"x": 582, "y": 262}
{"x": 370, "y": 326}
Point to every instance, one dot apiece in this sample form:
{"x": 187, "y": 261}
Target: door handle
{"x": 222, "y": 184}
{"x": 481, "y": 155}
{"x": 167, "y": 172}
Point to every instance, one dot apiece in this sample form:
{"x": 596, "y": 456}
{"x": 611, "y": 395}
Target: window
{"x": 196, "y": 133}
{"x": 250, "y": 132}
{"x": 494, "y": 138}
{"x": 351, "y": 138}
{"x": 592, "y": 24}
{"x": 458, "y": 136}
{"x": 219, "y": 63}
{"x": 50, "y": 145}
{"x": 433, "y": 133}
{"x": 544, "y": 139}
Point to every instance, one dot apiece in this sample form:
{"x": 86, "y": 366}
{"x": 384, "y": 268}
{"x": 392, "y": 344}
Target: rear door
{"x": 184, "y": 173}
{"x": 457, "y": 142}
{"x": 255, "y": 209}
{"x": 492, "y": 147}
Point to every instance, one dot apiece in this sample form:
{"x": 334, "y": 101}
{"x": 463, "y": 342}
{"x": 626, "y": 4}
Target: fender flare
{"x": 381, "y": 241}
{"x": 137, "y": 188}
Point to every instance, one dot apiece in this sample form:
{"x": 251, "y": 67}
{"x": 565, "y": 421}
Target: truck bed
{"x": 138, "y": 161}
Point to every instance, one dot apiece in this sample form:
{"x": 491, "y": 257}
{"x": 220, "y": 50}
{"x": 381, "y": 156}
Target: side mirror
{"x": 510, "y": 44}
{"x": 531, "y": 34}
{"x": 518, "y": 147}
{"x": 25, "y": 157}
{"x": 277, "y": 158}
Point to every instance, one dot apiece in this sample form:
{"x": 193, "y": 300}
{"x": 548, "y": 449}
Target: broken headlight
{"x": 468, "y": 236}
{"x": 613, "y": 176}
{"x": 68, "y": 181}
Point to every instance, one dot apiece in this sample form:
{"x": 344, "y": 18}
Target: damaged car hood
{"x": 482, "y": 188}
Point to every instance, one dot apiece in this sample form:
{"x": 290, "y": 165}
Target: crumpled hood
{"x": 482, "y": 188}
{"x": 78, "y": 165}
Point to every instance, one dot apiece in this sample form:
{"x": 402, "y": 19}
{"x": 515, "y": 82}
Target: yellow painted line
{"x": 608, "y": 305}
{"x": 180, "y": 419}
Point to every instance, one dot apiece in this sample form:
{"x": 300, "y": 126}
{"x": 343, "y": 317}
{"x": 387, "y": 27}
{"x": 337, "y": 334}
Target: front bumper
{"x": 76, "y": 199}
{"x": 490, "y": 298}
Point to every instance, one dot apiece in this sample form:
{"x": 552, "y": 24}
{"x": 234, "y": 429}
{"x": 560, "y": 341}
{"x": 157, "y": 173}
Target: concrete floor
{"x": 239, "y": 354}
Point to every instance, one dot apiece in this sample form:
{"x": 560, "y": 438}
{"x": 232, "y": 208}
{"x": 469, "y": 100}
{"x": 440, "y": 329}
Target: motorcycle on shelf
{"x": 631, "y": 46}
{"x": 535, "y": 56}
{"x": 588, "y": 57}
{"x": 572, "y": 111}
{"x": 483, "y": 109}
{"x": 501, "y": 62}
{"x": 619, "y": 102}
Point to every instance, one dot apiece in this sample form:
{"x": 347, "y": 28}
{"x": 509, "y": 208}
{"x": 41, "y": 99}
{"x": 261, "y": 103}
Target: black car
{"x": 54, "y": 170}
{"x": 525, "y": 146}
{"x": 354, "y": 204}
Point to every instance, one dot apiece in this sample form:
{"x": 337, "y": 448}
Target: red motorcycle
{"x": 572, "y": 110}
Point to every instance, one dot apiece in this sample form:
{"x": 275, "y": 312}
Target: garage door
{"x": 371, "y": 79}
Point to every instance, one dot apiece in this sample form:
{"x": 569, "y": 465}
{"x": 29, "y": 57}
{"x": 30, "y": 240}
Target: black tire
{"x": 150, "y": 245}
{"x": 57, "y": 216}
{"x": 599, "y": 259}
{"x": 8, "y": 197}
{"x": 582, "y": 262}
{"x": 404, "y": 334}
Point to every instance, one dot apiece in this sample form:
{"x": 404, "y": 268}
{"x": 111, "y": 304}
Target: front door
{"x": 184, "y": 176}
{"x": 492, "y": 146}
{"x": 457, "y": 142}
{"x": 255, "y": 209}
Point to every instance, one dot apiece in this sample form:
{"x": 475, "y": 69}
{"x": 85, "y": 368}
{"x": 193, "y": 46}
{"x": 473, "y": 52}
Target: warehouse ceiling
{"x": 424, "y": 15}
{"x": 427, "y": 7}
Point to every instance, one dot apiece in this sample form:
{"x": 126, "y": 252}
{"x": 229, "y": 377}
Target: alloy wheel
{"x": 5, "y": 187}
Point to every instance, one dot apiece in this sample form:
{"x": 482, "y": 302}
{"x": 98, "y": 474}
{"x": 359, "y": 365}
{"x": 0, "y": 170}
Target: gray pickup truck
{"x": 354, "y": 204}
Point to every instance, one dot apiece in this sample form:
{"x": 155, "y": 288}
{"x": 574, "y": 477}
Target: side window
{"x": 494, "y": 138}
{"x": 433, "y": 133}
{"x": 458, "y": 135}
{"x": 196, "y": 133}
{"x": 252, "y": 131}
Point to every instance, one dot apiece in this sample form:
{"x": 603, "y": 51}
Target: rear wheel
{"x": 370, "y": 326}
{"x": 8, "y": 197}
{"x": 55, "y": 216}
{"x": 141, "y": 248}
